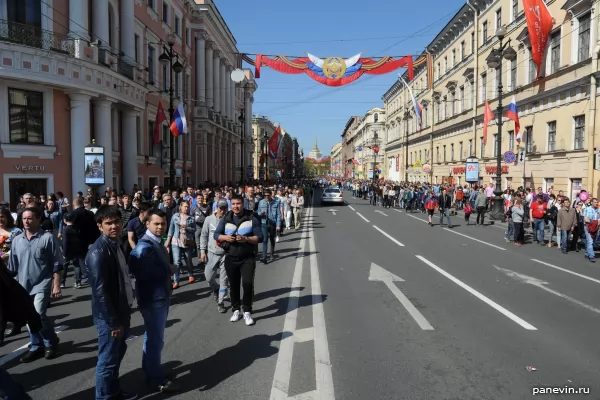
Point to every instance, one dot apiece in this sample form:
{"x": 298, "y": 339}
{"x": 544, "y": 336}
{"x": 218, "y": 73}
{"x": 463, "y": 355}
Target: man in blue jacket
{"x": 112, "y": 298}
{"x": 149, "y": 263}
{"x": 269, "y": 212}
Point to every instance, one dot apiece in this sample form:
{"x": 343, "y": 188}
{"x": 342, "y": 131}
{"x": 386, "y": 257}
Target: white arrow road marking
{"x": 542, "y": 285}
{"x": 381, "y": 212}
{"x": 480, "y": 296}
{"x": 378, "y": 274}
{"x": 331, "y": 210}
{"x": 17, "y": 352}
{"x": 568, "y": 271}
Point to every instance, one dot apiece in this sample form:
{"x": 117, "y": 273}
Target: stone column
{"x": 103, "y": 133}
{"x": 229, "y": 99}
{"x": 100, "y": 23}
{"x": 78, "y": 20}
{"x": 80, "y": 137}
{"x": 223, "y": 94}
{"x": 130, "y": 149}
{"x": 201, "y": 69}
{"x": 209, "y": 75}
{"x": 232, "y": 105}
{"x": 127, "y": 30}
{"x": 217, "y": 81}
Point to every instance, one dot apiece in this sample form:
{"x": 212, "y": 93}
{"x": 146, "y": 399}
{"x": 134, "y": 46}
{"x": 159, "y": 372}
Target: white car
{"x": 332, "y": 195}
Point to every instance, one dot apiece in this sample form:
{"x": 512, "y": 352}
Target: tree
{"x": 320, "y": 167}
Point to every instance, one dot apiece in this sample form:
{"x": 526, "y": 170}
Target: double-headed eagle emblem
{"x": 334, "y": 67}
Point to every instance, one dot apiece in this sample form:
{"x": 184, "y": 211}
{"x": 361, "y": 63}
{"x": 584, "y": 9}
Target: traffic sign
{"x": 509, "y": 157}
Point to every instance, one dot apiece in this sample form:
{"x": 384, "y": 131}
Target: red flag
{"x": 539, "y": 25}
{"x": 274, "y": 143}
{"x": 488, "y": 116}
{"x": 160, "y": 118}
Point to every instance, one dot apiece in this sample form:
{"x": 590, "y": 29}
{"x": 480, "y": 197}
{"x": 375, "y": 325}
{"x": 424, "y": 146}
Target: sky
{"x": 305, "y": 108}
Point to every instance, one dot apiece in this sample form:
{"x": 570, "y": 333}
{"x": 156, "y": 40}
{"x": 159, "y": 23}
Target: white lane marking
{"x": 352, "y": 208}
{"x": 324, "y": 377}
{"x": 566, "y": 270}
{"x": 530, "y": 280}
{"x": 480, "y": 296}
{"x": 17, "y": 352}
{"x": 417, "y": 218}
{"x": 283, "y": 368}
{"x": 477, "y": 240}
{"x": 312, "y": 395}
{"x": 395, "y": 209}
{"x": 304, "y": 335}
{"x": 381, "y": 212}
{"x": 388, "y": 236}
{"x": 360, "y": 215}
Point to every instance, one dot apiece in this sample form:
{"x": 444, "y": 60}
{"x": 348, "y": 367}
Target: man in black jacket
{"x": 112, "y": 298}
{"x": 445, "y": 203}
{"x": 84, "y": 222}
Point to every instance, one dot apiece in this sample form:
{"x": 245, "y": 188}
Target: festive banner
{"x": 334, "y": 71}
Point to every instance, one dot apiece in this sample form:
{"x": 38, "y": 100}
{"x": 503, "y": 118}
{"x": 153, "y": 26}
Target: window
{"x": 579, "y": 132}
{"x": 446, "y": 112}
{"x": 165, "y": 133}
{"x": 165, "y": 75}
{"x": 528, "y": 139}
{"x": 513, "y": 74}
{"x": 472, "y": 42}
{"x": 515, "y": 9}
{"x": 460, "y": 150}
{"x": 152, "y": 4}
{"x": 452, "y": 152}
{"x": 188, "y": 37}
{"x": 453, "y": 57}
{"x": 470, "y": 147}
{"x": 150, "y": 138}
{"x": 532, "y": 67}
{"x": 583, "y": 51}
{"x": 176, "y": 84}
{"x": 451, "y": 103}
{"x": 484, "y": 32}
{"x": 483, "y": 95}
{"x": 188, "y": 86}
{"x": 552, "y": 136}
{"x": 461, "y": 93}
{"x": 511, "y": 140}
{"x": 140, "y": 136}
{"x": 26, "y": 116}
{"x": 555, "y": 52}
{"x": 462, "y": 50}
{"x": 420, "y": 156}
{"x": 177, "y": 26}
{"x": 496, "y": 148}
{"x": 375, "y": 117}
{"x": 498, "y": 78}
{"x": 27, "y": 12}
{"x": 437, "y": 154}
{"x": 150, "y": 65}
{"x": 445, "y": 64}
{"x": 439, "y": 110}
{"x": 136, "y": 48}
{"x": 439, "y": 70}
{"x": 481, "y": 147}
{"x": 444, "y": 153}
{"x": 165, "y": 14}
{"x": 498, "y": 18}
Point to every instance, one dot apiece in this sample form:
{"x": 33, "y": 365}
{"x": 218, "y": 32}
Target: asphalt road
{"x": 364, "y": 303}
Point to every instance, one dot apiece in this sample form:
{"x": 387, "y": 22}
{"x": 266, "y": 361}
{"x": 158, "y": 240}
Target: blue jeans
{"x": 111, "y": 351}
{"x": 447, "y": 214}
{"x": 538, "y": 225}
{"x": 589, "y": 244}
{"x": 551, "y": 230}
{"x": 181, "y": 255}
{"x": 45, "y": 337}
{"x": 564, "y": 236}
{"x": 269, "y": 232}
{"x": 155, "y": 322}
{"x": 511, "y": 230}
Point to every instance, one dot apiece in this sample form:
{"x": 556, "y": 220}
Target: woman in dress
{"x": 181, "y": 241}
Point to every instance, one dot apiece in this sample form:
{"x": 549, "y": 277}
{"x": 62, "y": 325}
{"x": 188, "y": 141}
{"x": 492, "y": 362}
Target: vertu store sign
{"x": 30, "y": 168}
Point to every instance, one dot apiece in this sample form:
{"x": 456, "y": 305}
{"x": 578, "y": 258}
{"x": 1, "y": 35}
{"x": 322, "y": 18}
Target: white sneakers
{"x": 248, "y": 319}
{"x": 237, "y": 315}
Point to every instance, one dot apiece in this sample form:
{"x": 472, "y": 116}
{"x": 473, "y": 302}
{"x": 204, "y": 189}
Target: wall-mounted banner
{"x": 335, "y": 71}
{"x": 472, "y": 170}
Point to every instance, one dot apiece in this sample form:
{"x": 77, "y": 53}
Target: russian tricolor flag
{"x": 513, "y": 113}
{"x": 179, "y": 123}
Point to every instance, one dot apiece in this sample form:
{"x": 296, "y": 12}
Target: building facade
{"x": 74, "y": 72}
{"x": 262, "y": 130}
{"x": 337, "y": 164}
{"x": 364, "y": 140}
{"x": 556, "y": 112}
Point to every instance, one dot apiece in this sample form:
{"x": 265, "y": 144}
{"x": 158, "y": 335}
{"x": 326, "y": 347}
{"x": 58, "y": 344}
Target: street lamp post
{"x": 375, "y": 147}
{"x": 265, "y": 140}
{"x": 494, "y": 61}
{"x": 242, "y": 120}
{"x": 406, "y": 117}
{"x": 166, "y": 58}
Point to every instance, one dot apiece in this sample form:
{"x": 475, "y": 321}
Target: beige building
{"x": 360, "y": 136}
{"x": 557, "y": 113}
{"x": 262, "y": 129}
{"x": 336, "y": 164}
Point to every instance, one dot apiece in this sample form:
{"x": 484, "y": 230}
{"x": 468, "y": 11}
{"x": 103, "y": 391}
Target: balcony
{"x": 31, "y": 36}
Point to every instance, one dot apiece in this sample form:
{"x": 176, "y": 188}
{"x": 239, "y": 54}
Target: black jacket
{"x": 16, "y": 305}
{"x": 109, "y": 299}
{"x": 445, "y": 201}
{"x": 84, "y": 222}
{"x": 73, "y": 243}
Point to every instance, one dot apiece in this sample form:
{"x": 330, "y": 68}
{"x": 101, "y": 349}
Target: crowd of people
{"x": 132, "y": 250}
{"x": 572, "y": 223}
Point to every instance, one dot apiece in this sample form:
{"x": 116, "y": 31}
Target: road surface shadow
{"x": 280, "y": 306}
{"x": 141, "y": 329}
{"x": 275, "y": 293}
{"x": 188, "y": 296}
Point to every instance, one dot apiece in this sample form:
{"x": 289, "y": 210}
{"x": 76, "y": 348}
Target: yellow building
{"x": 360, "y": 136}
{"x": 262, "y": 129}
{"x": 557, "y": 114}
{"x": 336, "y": 162}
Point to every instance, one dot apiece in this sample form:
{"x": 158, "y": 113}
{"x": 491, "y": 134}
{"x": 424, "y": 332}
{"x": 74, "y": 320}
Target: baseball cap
{"x": 222, "y": 203}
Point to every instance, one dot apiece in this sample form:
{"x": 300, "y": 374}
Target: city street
{"x": 363, "y": 303}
